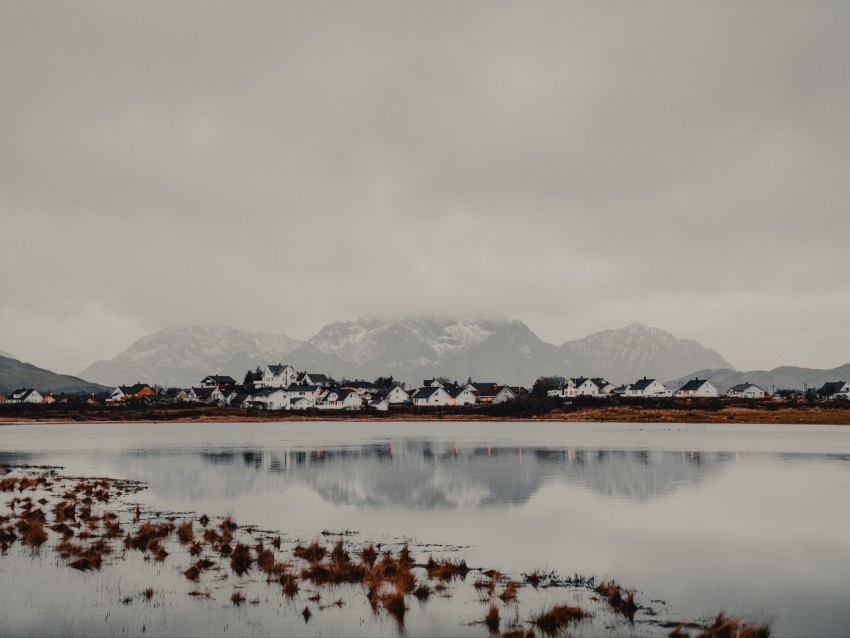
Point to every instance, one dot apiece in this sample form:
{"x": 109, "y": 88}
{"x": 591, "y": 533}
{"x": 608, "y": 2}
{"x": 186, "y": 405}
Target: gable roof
{"x": 832, "y": 387}
{"x": 218, "y": 378}
{"x": 642, "y": 384}
{"x": 487, "y": 389}
{"x": 741, "y": 387}
{"x": 693, "y": 385}
{"x": 315, "y": 377}
{"x": 278, "y": 369}
{"x": 22, "y": 393}
{"x": 425, "y": 393}
{"x": 204, "y": 393}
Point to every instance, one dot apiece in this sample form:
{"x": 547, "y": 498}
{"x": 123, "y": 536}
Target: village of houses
{"x": 280, "y": 387}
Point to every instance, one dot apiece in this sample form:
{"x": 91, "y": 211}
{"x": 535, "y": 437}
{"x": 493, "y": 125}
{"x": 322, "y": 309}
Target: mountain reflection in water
{"x": 424, "y": 475}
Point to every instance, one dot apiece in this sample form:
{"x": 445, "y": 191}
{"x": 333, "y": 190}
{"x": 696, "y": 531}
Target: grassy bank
{"x": 636, "y": 411}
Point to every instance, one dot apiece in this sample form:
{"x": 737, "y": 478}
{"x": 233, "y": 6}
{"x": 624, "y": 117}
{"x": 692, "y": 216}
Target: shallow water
{"x": 752, "y": 520}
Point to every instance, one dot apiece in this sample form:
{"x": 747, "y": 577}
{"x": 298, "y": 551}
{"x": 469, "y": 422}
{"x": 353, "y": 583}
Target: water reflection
{"x": 424, "y": 474}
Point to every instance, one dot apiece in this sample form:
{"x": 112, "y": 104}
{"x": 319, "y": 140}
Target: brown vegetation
{"x": 556, "y": 618}
{"x": 733, "y": 627}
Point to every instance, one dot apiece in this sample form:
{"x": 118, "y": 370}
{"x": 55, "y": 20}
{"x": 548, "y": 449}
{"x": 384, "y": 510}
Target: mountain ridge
{"x": 411, "y": 349}
{"x": 16, "y": 374}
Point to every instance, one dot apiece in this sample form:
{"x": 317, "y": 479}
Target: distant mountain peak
{"x": 410, "y": 349}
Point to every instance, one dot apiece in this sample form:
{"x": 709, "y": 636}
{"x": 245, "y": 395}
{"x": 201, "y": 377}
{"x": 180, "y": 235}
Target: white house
{"x": 220, "y": 381}
{"x": 647, "y": 388}
{"x": 381, "y": 405}
{"x": 277, "y": 376}
{"x": 311, "y": 393}
{"x": 504, "y": 394}
{"x": 210, "y": 396}
{"x": 340, "y": 400}
{"x": 269, "y": 399}
{"x": 432, "y": 396}
{"x": 835, "y": 390}
{"x": 396, "y": 395}
{"x": 25, "y": 395}
{"x": 745, "y": 391}
{"x": 463, "y": 396}
{"x": 300, "y": 403}
{"x": 697, "y": 388}
{"x": 581, "y": 387}
{"x": 314, "y": 378}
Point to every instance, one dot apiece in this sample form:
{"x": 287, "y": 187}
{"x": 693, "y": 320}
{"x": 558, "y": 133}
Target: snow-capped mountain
{"x": 630, "y": 353}
{"x": 183, "y": 356}
{"x": 408, "y": 349}
{"x": 414, "y": 349}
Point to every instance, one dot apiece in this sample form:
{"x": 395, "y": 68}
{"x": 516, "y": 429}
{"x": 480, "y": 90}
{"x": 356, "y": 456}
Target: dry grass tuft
{"x": 422, "y": 593}
{"x": 241, "y": 559}
{"x": 614, "y": 594}
{"x": 393, "y": 602}
{"x": 313, "y": 553}
{"x": 733, "y": 627}
{"x": 237, "y": 598}
{"x": 148, "y": 593}
{"x": 369, "y": 555}
{"x": 446, "y": 569}
{"x": 306, "y": 613}
{"x": 185, "y": 532}
{"x": 200, "y": 594}
{"x": 492, "y": 619}
{"x": 509, "y": 594}
{"x": 556, "y": 618}
{"x": 289, "y": 582}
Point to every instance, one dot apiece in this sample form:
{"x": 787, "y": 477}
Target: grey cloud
{"x": 275, "y": 166}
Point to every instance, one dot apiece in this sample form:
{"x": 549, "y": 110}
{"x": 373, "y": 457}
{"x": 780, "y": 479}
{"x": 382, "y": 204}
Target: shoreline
{"x": 729, "y": 414}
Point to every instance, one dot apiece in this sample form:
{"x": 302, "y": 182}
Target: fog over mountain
{"x": 409, "y": 350}
{"x": 183, "y": 356}
{"x": 781, "y": 378}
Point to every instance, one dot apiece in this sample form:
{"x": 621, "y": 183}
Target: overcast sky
{"x": 276, "y": 166}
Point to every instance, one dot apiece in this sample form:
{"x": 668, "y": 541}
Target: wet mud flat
{"x": 80, "y": 557}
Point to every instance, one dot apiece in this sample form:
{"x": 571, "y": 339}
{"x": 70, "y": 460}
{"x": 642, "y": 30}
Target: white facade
{"x": 504, "y": 395}
{"x": 380, "y": 405}
{"x": 277, "y": 376}
{"x": 647, "y": 388}
{"x": 397, "y": 395}
{"x": 581, "y": 388}
{"x": 270, "y": 399}
{"x": 432, "y": 397}
{"x": 25, "y": 395}
{"x": 697, "y": 388}
{"x": 746, "y": 391}
{"x": 466, "y": 396}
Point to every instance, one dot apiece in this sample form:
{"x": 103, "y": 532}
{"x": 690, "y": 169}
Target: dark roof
{"x": 487, "y": 389}
{"x": 454, "y": 393}
{"x": 22, "y": 393}
{"x": 693, "y": 385}
{"x": 277, "y": 369}
{"x": 135, "y": 388}
{"x": 740, "y": 387}
{"x": 643, "y": 384}
{"x": 316, "y": 377}
{"x": 424, "y": 393}
{"x": 204, "y": 393}
{"x": 216, "y": 378}
{"x": 302, "y": 388}
{"x": 832, "y": 387}
{"x": 366, "y": 385}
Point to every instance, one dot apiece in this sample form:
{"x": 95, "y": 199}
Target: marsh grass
{"x": 733, "y": 627}
{"x": 313, "y": 553}
{"x": 237, "y": 598}
{"x": 185, "y": 532}
{"x": 613, "y": 593}
{"x": 492, "y": 619}
{"x": 393, "y": 602}
{"x": 555, "y": 619}
{"x": 446, "y": 569}
{"x": 241, "y": 560}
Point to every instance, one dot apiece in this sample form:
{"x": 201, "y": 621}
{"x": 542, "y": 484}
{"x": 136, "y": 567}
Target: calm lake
{"x": 751, "y": 520}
